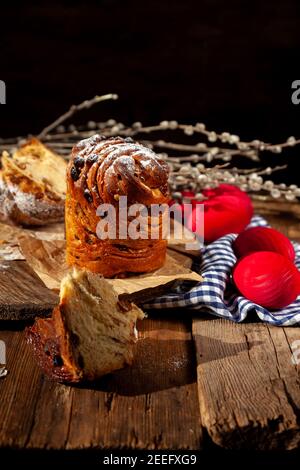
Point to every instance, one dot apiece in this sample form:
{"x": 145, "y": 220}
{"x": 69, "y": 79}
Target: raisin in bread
{"x": 32, "y": 185}
{"x": 90, "y": 333}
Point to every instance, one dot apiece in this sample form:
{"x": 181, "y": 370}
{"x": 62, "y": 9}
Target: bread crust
{"x": 101, "y": 170}
{"x": 52, "y": 348}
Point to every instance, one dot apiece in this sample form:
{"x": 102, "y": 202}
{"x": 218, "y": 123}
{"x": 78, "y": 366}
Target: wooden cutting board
{"x": 23, "y": 295}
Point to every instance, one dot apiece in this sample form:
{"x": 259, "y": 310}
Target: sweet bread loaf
{"x": 101, "y": 171}
{"x": 91, "y": 333}
{"x": 32, "y": 185}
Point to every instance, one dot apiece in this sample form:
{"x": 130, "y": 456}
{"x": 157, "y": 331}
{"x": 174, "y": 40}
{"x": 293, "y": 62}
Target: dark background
{"x": 228, "y": 63}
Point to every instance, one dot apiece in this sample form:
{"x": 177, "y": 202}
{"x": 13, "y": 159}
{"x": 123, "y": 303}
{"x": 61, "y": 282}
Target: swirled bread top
{"x": 107, "y": 168}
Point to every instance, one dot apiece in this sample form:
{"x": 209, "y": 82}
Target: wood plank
{"x": 249, "y": 389}
{"x": 23, "y": 295}
{"x": 151, "y": 405}
{"x": 19, "y": 391}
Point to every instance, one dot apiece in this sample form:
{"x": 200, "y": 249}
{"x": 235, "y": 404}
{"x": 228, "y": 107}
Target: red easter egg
{"x": 267, "y": 279}
{"x": 263, "y": 239}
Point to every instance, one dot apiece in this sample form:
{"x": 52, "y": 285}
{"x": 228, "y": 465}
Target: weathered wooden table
{"x": 196, "y": 380}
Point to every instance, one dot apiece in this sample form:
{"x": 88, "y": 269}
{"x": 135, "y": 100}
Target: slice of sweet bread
{"x": 32, "y": 185}
{"x": 91, "y": 333}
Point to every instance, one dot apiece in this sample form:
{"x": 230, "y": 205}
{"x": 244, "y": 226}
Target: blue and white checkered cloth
{"x": 217, "y": 293}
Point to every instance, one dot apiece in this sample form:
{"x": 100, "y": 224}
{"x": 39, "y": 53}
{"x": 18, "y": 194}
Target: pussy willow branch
{"x": 74, "y": 109}
{"x": 199, "y": 177}
{"x": 187, "y": 171}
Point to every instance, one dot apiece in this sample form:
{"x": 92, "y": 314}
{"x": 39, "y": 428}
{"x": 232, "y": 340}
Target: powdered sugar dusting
{"x": 38, "y": 210}
{"x": 117, "y": 148}
{"x": 128, "y": 161}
